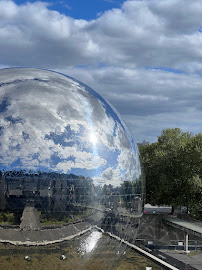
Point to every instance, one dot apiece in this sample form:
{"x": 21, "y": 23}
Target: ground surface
{"x": 194, "y": 259}
{"x": 92, "y": 251}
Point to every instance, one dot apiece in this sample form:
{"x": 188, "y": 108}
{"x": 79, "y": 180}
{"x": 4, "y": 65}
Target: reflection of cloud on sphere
{"x": 93, "y": 138}
{"x": 50, "y": 122}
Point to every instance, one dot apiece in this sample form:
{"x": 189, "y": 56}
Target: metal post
{"x": 186, "y": 243}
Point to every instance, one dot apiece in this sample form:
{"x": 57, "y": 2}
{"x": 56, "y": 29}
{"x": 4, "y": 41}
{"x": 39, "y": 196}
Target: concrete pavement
{"x": 194, "y": 259}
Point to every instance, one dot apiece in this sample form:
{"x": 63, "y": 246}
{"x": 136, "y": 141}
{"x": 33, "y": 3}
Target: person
{"x": 188, "y": 267}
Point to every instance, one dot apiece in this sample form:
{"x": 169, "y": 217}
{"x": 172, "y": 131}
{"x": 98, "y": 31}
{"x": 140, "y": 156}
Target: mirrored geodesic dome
{"x": 66, "y": 157}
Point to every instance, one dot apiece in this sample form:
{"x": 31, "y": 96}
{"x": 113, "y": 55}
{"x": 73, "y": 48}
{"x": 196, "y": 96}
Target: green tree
{"x": 172, "y": 165}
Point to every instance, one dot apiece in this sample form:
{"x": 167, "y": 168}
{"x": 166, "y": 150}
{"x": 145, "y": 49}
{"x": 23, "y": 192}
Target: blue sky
{"x": 144, "y": 57}
{"x": 80, "y": 9}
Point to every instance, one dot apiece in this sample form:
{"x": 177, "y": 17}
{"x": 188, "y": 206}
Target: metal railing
{"x": 193, "y": 245}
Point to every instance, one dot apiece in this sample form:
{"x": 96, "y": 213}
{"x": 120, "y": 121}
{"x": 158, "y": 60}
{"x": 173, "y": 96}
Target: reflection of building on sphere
{"x": 66, "y": 156}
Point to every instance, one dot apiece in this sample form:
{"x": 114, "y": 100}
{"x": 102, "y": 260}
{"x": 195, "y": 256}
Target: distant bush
{"x": 7, "y": 218}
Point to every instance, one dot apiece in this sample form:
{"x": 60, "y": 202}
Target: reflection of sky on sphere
{"x": 51, "y": 122}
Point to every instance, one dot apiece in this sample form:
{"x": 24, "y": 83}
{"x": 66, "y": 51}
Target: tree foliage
{"x": 173, "y": 169}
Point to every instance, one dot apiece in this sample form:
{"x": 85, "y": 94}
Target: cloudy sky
{"x": 144, "y": 57}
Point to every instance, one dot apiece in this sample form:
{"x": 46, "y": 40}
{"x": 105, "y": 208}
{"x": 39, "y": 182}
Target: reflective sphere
{"x": 66, "y": 153}
{"x": 52, "y": 123}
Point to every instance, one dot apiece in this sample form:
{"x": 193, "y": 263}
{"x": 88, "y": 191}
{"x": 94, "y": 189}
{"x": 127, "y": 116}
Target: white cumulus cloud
{"x": 144, "y": 57}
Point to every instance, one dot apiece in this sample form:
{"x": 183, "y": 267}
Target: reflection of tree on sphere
{"x": 66, "y": 153}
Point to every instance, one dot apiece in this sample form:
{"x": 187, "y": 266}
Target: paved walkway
{"x": 194, "y": 259}
{"x": 189, "y": 226}
{"x": 30, "y": 219}
{"x": 43, "y": 237}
